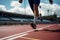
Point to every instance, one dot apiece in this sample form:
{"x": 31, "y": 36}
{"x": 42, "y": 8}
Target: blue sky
{"x": 9, "y": 5}
{"x": 7, "y": 2}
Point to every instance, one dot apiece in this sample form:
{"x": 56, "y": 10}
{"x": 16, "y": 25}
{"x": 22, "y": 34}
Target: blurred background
{"x": 13, "y": 12}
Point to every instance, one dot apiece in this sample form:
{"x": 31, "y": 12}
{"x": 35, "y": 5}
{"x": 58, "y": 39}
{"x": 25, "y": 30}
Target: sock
{"x": 35, "y": 18}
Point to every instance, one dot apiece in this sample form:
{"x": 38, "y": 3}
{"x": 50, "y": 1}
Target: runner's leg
{"x": 34, "y": 6}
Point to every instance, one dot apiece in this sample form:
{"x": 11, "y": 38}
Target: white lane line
{"x": 27, "y": 32}
{"x": 15, "y": 35}
{"x": 44, "y": 27}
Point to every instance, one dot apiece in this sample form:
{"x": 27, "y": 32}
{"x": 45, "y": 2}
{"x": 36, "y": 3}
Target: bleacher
{"x": 15, "y": 18}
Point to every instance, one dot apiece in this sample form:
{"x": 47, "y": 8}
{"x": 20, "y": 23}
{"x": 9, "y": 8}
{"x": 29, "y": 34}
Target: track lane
{"x": 17, "y": 29}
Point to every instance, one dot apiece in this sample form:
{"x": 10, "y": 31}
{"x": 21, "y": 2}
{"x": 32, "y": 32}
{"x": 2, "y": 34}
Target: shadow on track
{"x": 56, "y": 30}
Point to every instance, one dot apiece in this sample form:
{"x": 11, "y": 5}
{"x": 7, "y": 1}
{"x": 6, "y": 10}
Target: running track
{"x": 25, "y": 32}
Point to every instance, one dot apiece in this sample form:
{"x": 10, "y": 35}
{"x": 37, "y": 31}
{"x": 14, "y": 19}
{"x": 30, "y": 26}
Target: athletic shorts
{"x": 31, "y": 2}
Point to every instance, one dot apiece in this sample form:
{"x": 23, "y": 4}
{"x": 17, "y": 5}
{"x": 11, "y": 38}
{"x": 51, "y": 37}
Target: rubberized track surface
{"x": 25, "y": 32}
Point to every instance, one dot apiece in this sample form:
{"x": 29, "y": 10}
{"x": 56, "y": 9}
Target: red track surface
{"x": 6, "y": 31}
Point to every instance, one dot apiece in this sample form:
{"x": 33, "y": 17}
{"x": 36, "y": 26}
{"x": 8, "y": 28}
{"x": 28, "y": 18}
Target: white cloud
{"x": 15, "y": 3}
{"x": 2, "y": 8}
{"x": 52, "y": 8}
{"x": 28, "y": 10}
{"x": 16, "y": 8}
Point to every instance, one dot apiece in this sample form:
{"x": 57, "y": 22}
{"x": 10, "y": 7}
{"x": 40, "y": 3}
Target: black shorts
{"x": 31, "y": 2}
